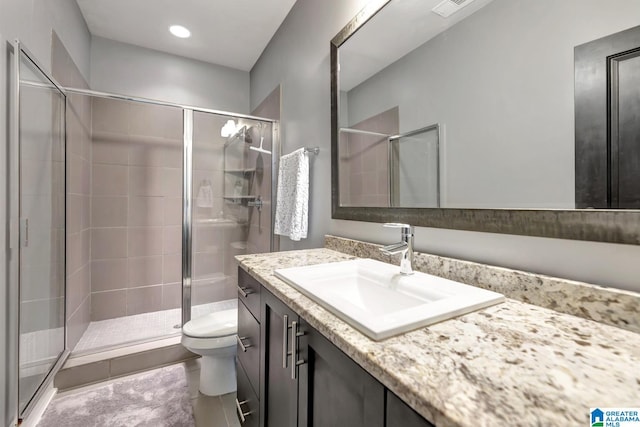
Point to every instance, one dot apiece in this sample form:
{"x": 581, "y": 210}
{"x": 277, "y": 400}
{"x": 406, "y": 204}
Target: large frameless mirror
{"x": 532, "y": 108}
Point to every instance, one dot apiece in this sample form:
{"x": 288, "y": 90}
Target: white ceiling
{"x": 396, "y": 30}
{"x": 226, "y": 32}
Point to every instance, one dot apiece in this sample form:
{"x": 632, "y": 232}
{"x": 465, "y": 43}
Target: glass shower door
{"x": 41, "y": 110}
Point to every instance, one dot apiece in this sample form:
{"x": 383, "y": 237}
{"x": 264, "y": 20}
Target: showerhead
{"x": 260, "y": 149}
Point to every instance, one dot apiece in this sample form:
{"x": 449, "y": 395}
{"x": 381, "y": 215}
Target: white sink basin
{"x": 377, "y": 300}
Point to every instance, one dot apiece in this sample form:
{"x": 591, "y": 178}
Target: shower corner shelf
{"x": 241, "y": 200}
{"x": 240, "y": 171}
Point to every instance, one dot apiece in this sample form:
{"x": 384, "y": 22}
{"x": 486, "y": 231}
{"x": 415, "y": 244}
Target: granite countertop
{"x": 510, "y": 364}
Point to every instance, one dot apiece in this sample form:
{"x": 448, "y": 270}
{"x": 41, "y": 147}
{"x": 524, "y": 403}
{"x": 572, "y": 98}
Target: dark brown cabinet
{"x": 292, "y": 376}
{"x": 249, "y": 346}
{"x": 333, "y": 389}
{"x": 399, "y": 414}
{"x": 247, "y": 403}
{"x": 279, "y": 390}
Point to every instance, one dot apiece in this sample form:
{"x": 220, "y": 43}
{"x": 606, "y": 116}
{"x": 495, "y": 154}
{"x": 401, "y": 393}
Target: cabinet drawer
{"x": 249, "y": 292}
{"x": 247, "y": 403}
{"x": 249, "y": 346}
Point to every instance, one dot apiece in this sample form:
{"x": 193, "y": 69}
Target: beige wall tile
{"x": 172, "y": 210}
{"x": 109, "y": 211}
{"x": 146, "y": 211}
{"x": 110, "y": 148}
{"x": 78, "y": 288}
{"x": 78, "y": 322}
{"x": 171, "y": 296}
{"x": 144, "y": 300}
{"x": 74, "y": 212}
{"x": 110, "y": 115}
{"x": 74, "y": 252}
{"x": 147, "y": 120}
{"x": 205, "y": 264}
{"x": 172, "y": 240}
{"x": 172, "y": 182}
{"x": 146, "y": 181}
{"x": 110, "y": 180}
{"x": 108, "y": 305}
{"x": 108, "y": 243}
{"x": 172, "y": 268}
{"x": 75, "y": 174}
{"x": 145, "y": 241}
{"x": 145, "y": 271}
{"x": 147, "y": 150}
{"x": 109, "y": 274}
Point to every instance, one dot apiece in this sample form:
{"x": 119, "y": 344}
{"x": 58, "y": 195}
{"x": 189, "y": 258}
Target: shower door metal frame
{"x": 15, "y": 228}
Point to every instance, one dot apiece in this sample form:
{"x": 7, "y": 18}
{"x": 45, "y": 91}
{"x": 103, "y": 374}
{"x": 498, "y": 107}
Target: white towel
{"x": 205, "y": 195}
{"x": 292, "y": 206}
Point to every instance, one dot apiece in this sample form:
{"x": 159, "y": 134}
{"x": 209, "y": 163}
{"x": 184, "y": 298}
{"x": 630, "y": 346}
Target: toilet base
{"x": 217, "y": 375}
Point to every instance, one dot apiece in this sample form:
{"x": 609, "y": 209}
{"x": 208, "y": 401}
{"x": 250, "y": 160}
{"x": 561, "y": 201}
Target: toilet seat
{"x": 213, "y": 325}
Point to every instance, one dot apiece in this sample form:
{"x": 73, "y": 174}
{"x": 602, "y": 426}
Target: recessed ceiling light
{"x": 180, "y": 31}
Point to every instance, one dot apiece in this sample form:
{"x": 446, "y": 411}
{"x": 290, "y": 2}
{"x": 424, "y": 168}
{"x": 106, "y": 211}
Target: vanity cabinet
{"x": 248, "y": 350}
{"x": 399, "y": 414}
{"x": 303, "y": 379}
{"x": 279, "y": 390}
{"x": 333, "y": 389}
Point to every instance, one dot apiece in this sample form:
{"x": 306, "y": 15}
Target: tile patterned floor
{"x": 122, "y": 330}
{"x": 210, "y": 411}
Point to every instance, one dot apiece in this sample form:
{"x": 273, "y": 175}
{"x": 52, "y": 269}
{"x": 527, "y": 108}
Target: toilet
{"x": 213, "y": 336}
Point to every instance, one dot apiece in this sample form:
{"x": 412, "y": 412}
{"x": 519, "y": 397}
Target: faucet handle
{"x": 406, "y": 228}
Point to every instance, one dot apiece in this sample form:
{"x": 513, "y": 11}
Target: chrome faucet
{"x": 404, "y": 247}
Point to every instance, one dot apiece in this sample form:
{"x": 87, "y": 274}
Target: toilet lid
{"x": 216, "y": 324}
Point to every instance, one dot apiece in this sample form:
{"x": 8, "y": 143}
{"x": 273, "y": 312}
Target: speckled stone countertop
{"x": 513, "y": 364}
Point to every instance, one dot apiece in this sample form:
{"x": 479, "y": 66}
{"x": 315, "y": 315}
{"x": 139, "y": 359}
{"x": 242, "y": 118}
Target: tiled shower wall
{"x": 136, "y": 201}
{"x": 259, "y": 239}
{"x": 364, "y": 164}
{"x": 219, "y": 227}
{"x": 78, "y": 193}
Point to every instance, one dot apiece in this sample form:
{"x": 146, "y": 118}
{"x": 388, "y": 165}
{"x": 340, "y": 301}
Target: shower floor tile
{"x": 158, "y": 324}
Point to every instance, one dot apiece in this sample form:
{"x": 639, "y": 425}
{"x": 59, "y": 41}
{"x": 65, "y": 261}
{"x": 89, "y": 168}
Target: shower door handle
{"x": 25, "y": 232}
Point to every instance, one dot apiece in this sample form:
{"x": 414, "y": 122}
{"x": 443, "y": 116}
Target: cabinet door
{"x": 279, "y": 391}
{"x": 333, "y": 389}
{"x": 399, "y": 414}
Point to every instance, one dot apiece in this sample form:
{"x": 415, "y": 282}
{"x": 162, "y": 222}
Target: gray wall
{"x": 132, "y": 70}
{"x": 504, "y": 97}
{"x": 31, "y": 21}
{"x": 298, "y": 59}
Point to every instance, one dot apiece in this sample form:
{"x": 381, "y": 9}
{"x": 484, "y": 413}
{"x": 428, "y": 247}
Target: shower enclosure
{"x": 130, "y": 212}
{"x": 172, "y": 202}
{"x": 37, "y": 237}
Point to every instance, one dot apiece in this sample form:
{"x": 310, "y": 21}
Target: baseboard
{"x": 90, "y": 369}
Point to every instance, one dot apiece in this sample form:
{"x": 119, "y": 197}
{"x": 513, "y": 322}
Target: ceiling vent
{"x": 447, "y": 8}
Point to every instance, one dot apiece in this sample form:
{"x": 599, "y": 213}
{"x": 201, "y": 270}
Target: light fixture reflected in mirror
{"x": 180, "y": 31}
{"x": 228, "y": 129}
